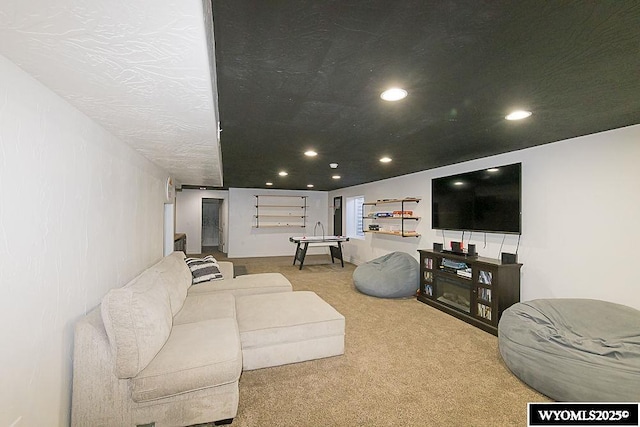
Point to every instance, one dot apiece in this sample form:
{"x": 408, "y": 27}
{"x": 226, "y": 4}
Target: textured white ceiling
{"x": 144, "y": 70}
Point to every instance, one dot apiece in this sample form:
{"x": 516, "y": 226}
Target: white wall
{"x": 580, "y": 213}
{"x": 80, "y": 213}
{"x": 238, "y": 210}
{"x": 247, "y": 241}
{"x": 189, "y": 216}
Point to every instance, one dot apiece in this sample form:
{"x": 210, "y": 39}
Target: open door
{"x": 221, "y": 245}
{"x": 337, "y": 216}
{"x": 210, "y": 225}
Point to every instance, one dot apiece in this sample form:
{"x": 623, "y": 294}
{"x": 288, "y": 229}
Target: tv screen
{"x": 485, "y": 200}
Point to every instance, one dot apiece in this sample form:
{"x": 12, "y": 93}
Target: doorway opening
{"x": 212, "y": 234}
{"x": 337, "y": 216}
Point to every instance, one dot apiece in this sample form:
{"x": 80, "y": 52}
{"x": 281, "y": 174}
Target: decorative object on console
{"x": 204, "y": 269}
{"x": 437, "y": 247}
{"x": 456, "y": 247}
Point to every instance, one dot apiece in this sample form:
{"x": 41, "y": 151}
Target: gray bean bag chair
{"x": 395, "y": 275}
{"x": 574, "y": 350}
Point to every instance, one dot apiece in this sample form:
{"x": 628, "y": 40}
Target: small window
{"x": 353, "y": 216}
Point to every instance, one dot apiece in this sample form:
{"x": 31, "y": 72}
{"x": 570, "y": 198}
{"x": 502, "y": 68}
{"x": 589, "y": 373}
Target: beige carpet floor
{"x": 405, "y": 364}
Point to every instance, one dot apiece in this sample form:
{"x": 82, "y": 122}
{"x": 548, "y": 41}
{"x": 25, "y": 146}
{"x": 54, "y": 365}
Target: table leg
{"x": 301, "y": 253}
{"x": 295, "y": 255}
{"x": 336, "y": 251}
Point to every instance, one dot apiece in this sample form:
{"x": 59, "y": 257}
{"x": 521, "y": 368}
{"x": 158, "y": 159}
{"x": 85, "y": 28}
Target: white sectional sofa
{"x": 160, "y": 351}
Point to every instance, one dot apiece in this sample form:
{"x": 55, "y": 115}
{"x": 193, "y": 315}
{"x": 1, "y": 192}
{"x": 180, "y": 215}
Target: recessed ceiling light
{"x": 268, "y": 183}
{"x": 385, "y": 159}
{"x": 336, "y": 177}
{"x": 458, "y": 183}
{"x": 493, "y": 170}
{"x": 333, "y": 165}
{"x": 518, "y": 115}
{"x": 309, "y": 185}
{"x": 310, "y": 153}
{"x": 283, "y": 173}
{"x": 393, "y": 94}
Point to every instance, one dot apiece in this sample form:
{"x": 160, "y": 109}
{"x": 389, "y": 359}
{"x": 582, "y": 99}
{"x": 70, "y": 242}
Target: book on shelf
{"x": 466, "y": 273}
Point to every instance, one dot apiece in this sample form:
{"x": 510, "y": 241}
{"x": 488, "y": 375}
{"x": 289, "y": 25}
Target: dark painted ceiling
{"x": 299, "y": 74}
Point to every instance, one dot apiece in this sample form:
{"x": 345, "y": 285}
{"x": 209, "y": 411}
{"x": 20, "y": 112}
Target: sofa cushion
{"x": 259, "y": 283}
{"x": 138, "y": 321}
{"x": 204, "y": 269}
{"x": 197, "y": 355}
{"x": 176, "y": 277}
{"x": 200, "y": 307}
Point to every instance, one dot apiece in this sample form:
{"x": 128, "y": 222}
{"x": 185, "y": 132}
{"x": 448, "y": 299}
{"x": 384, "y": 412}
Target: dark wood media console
{"x": 477, "y": 294}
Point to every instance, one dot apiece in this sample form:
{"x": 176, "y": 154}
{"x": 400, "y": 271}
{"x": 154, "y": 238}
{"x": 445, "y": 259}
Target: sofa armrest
{"x": 226, "y": 268}
{"x": 94, "y": 382}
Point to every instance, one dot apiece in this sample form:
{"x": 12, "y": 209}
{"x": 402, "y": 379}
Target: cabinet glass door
{"x": 428, "y": 283}
{"x": 484, "y": 301}
{"x": 428, "y": 263}
{"x": 427, "y": 276}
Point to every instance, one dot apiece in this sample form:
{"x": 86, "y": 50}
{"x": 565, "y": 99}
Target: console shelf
{"x": 474, "y": 289}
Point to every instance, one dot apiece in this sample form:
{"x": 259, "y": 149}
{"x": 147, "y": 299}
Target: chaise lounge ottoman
{"x": 288, "y": 327}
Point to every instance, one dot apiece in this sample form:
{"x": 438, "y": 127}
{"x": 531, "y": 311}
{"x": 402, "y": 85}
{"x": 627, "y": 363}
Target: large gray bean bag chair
{"x": 575, "y": 350}
{"x": 395, "y": 275}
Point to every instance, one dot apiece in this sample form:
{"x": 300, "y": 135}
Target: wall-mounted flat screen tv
{"x": 487, "y": 200}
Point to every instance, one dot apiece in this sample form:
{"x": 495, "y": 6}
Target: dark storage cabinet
{"x": 474, "y": 289}
{"x": 180, "y": 242}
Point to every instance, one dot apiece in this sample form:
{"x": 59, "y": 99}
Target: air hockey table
{"x": 334, "y": 243}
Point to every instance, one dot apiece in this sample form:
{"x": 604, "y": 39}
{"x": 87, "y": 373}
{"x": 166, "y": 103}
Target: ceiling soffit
{"x": 144, "y": 70}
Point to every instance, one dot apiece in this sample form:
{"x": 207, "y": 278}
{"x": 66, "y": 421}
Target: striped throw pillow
{"x": 204, "y": 269}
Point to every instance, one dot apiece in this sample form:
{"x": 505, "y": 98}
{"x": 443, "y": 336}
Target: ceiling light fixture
{"x": 333, "y": 165}
{"x": 393, "y": 94}
{"x": 336, "y": 177}
{"x": 283, "y": 173}
{"x": 518, "y": 115}
{"x": 309, "y": 185}
{"x": 310, "y": 153}
{"x": 493, "y": 170}
{"x": 385, "y": 159}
